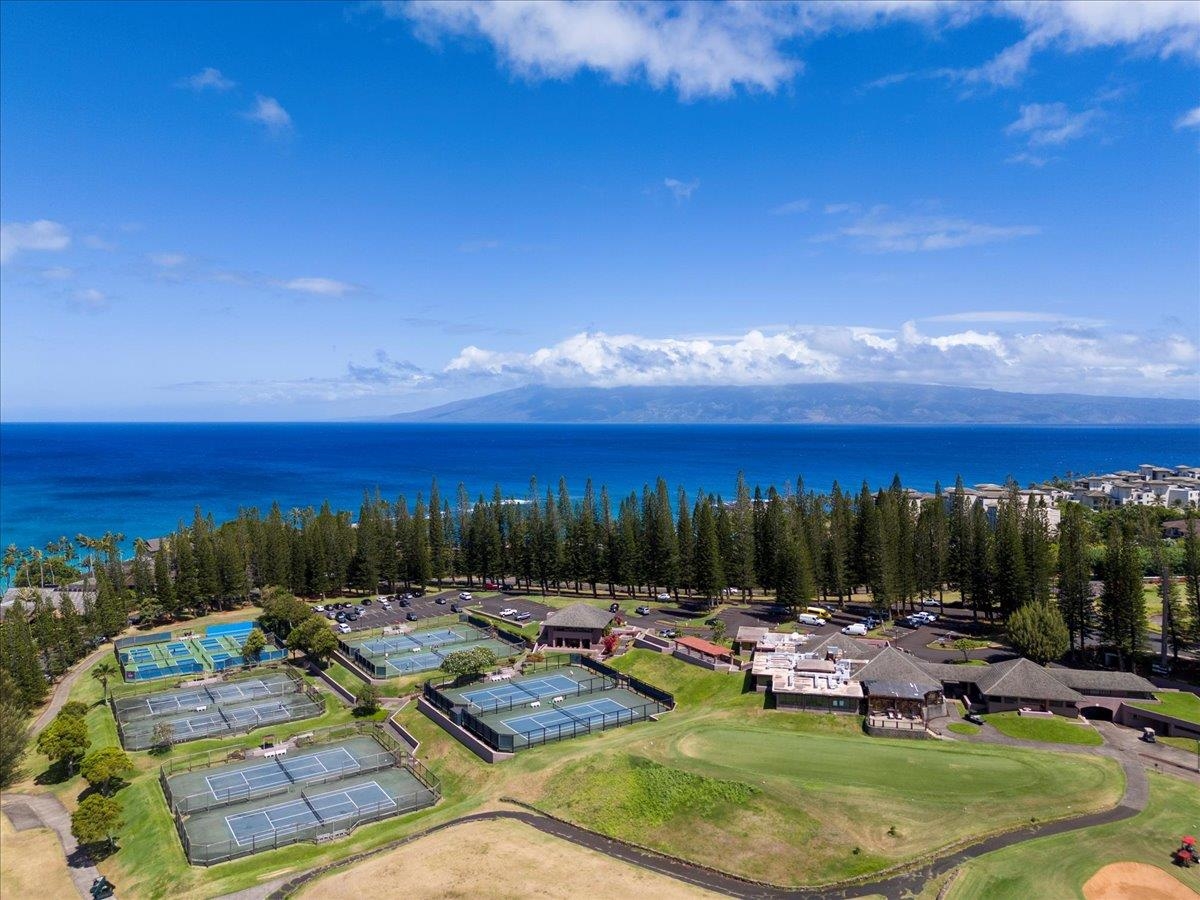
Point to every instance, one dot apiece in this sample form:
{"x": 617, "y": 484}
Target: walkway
{"x": 62, "y": 690}
{"x": 27, "y": 811}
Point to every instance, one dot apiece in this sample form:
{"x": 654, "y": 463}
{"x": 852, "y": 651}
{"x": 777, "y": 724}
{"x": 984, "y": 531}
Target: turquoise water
{"x": 142, "y": 479}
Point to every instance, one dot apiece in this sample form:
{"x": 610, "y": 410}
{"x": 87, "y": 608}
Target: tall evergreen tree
{"x": 1122, "y": 605}
{"x": 1074, "y": 576}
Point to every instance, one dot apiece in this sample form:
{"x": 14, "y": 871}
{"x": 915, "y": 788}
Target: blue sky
{"x": 312, "y": 211}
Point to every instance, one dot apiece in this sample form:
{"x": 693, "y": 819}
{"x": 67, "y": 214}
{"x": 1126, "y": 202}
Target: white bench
{"x": 556, "y": 700}
{"x": 535, "y": 703}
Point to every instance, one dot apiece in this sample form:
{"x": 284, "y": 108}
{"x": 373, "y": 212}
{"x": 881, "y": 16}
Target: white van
{"x": 809, "y": 619}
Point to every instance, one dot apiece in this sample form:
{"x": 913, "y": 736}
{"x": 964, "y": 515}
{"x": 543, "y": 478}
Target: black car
{"x": 440, "y": 601}
{"x": 412, "y": 616}
{"x": 352, "y": 617}
{"x": 368, "y": 602}
{"x": 974, "y": 719}
{"x": 405, "y": 602}
{"x": 454, "y": 607}
{"x": 341, "y": 617}
{"x": 614, "y": 607}
{"x": 417, "y": 592}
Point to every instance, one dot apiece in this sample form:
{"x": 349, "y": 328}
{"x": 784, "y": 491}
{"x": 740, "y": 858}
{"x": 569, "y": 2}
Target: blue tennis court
{"x": 493, "y": 697}
{"x": 331, "y": 806}
{"x": 556, "y": 717}
{"x": 280, "y": 771}
{"x": 389, "y": 644}
{"x": 406, "y": 663}
{"x": 440, "y": 636}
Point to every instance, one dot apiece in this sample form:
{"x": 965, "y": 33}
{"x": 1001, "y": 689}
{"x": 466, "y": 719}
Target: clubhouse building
{"x": 896, "y": 691}
{"x": 575, "y": 627}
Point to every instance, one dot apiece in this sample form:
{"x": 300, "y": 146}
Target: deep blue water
{"x": 142, "y": 479}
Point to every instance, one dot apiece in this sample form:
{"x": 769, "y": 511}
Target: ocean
{"x": 142, "y": 479}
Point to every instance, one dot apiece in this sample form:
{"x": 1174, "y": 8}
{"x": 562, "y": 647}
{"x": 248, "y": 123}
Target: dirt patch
{"x": 1135, "y": 881}
{"x": 500, "y": 859}
{"x": 32, "y": 863}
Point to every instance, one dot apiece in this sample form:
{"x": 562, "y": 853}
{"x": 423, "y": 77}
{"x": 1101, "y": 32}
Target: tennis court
{"x": 587, "y": 712}
{"x": 509, "y": 693}
{"x": 295, "y": 814}
{"x": 419, "y": 651}
{"x": 220, "y": 718}
{"x": 205, "y": 788}
{"x": 161, "y": 655}
{"x": 165, "y": 703}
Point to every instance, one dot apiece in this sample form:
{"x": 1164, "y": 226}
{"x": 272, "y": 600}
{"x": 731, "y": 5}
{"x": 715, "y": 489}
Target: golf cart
{"x": 102, "y": 887}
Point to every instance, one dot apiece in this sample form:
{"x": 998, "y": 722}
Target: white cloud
{"x": 167, "y": 260}
{"x": 326, "y": 287}
{"x": 58, "y": 273}
{"x": 1058, "y": 358}
{"x": 90, "y": 300}
{"x": 836, "y": 209}
{"x": 267, "y": 111}
{"x": 1027, "y": 158}
{"x": 19, "y": 237}
{"x": 681, "y": 190}
{"x": 795, "y": 206}
{"x": 715, "y": 49}
{"x": 208, "y": 79}
{"x": 882, "y": 230}
{"x": 1190, "y": 119}
{"x": 96, "y": 242}
{"x": 1051, "y": 124}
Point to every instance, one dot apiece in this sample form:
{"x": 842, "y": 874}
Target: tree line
{"x": 792, "y": 544}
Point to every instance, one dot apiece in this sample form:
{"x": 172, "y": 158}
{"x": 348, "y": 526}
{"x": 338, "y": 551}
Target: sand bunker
{"x": 1137, "y": 881}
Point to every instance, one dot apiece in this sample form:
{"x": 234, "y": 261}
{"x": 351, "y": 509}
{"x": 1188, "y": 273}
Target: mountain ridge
{"x": 860, "y": 403}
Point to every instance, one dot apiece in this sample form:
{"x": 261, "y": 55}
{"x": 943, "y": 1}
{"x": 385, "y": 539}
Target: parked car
{"x": 522, "y": 617}
{"x": 668, "y": 632}
{"x": 341, "y": 617}
{"x": 614, "y": 607}
{"x": 330, "y": 615}
{"x": 406, "y": 602}
{"x": 454, "y": 607}
{"x": 441, "y": 601}
{"x": 508, "y": 611}
{"x": 643, "y": 610}
{"x": 418, "y": 592}
{"x": 809, "y": 619}
{"x": 974, "y": 718}
{"x": 464, "y": 596}
{"x": 663, "y": 597}
{"x": 344, "y": 628}
{"x": 411, "y": 616}
{"x": 928, "y": 618}
{"x": 856, "y": 628}
{"x": 319, "y": 608}
{"x": 352, "y": 617}
{"x": 871, "y": 622}
{"x": 368, "y": 601}
{"x": 930, "y": 601}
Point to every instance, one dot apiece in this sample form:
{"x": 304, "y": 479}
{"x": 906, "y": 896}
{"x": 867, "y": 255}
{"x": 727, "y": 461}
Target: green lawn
{"x": 963, "y": 728}
{"x": 788, "y": 797}
{"x": 1048, "y": 730}
{"x": 1180, "y": 704}
{"x": 1059, "y": 866}
{"x": 1190, "y": 745}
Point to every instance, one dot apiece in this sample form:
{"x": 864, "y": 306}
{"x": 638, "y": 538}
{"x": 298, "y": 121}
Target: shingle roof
{"x": 1085, "y": 680}
{"x": 947, "y": 672}
{"x": 890, "y": 665}
{"x": 1024, "y": 678}
{"x": 579, "y": 615}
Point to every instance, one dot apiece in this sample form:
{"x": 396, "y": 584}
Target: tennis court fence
{"x": 212, "y": 799}
{"x": 500, "y": 704}
{"x": 606, "y": 677}
{"x": 207, "y": 854}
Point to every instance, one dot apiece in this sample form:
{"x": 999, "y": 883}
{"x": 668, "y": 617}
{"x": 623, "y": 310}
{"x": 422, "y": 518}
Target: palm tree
{"x": 103, "y": 671}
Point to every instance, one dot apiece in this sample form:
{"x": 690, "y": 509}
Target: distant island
{"x": 849, "y": 404}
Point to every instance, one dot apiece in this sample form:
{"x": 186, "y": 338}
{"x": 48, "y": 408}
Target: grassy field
{"x": 1191, "y": 745}
{"x": 963, "y": 728}
{"x": 1058, "y": 866}
{"x": 32, "y": 863}
{"x": 796, "y": 798}
{"x": 786, "y": 796}
{"x": 1048, "y": 730}
{"x": 1180, "y": 704}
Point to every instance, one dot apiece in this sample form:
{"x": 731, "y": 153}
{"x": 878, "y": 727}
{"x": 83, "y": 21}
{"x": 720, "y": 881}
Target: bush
{"x": 366, "y": 699}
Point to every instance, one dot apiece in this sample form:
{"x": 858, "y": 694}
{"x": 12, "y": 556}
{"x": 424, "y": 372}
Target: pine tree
{"x": 1074, "y": 576}
{"x": 981, "y": 572}
{"x": 710, "y": 578}
{"x": 437, "y": 538}
{"x": 1039, "y": 557}
{"x": 1191, "y": 565}
{"x": 1012, "y": 583}
{"x": 740, "y": 567}
{"x": 685, "y": 540}
{"x": 164, "y": 587}
{"x": 1122, "y": 605}
{"x": 18, "y": 655}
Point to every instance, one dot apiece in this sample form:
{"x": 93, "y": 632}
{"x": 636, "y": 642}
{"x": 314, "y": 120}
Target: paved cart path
{"x": 62, "y": 690}
{"x": 27, "y": 811}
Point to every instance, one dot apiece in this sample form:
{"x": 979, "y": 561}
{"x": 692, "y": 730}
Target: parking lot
{"x": 537, "y": 611}
{"x": 374, "y": 615}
